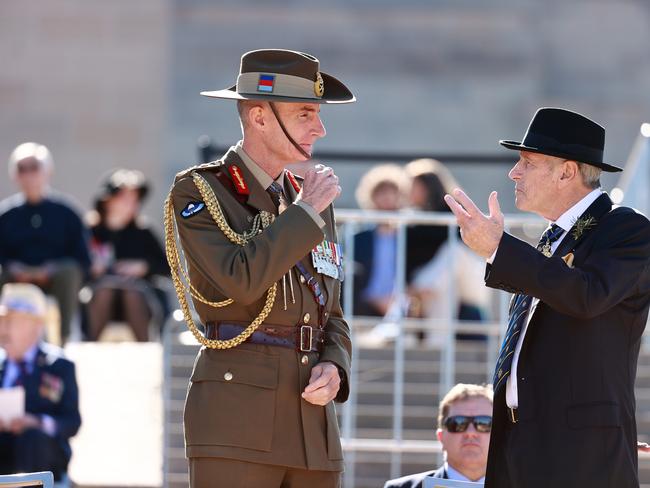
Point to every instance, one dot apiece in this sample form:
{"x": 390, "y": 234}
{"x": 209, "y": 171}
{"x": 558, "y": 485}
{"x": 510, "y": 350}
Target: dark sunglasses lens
{"x": 457, "y": 423}
{"x": 28, "y": 168}
{"x": 483, "y": 423}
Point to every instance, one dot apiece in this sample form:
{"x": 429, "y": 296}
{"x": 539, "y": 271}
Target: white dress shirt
{"x": 12, "y": 372}
{"x": 566, "y": 221}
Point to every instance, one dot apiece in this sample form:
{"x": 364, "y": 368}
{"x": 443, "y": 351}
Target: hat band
{"x": 580, "y": 152}
{"x": 275, "y": 84}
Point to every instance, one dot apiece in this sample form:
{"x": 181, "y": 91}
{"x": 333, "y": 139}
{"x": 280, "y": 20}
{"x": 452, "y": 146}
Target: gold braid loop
{"x": 178, "y": 273}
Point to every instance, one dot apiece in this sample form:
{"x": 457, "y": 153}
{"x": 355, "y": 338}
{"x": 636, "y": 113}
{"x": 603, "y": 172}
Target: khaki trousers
{"x": 230, "y": 473}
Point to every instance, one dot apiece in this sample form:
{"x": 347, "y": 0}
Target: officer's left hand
{"x": 323, "y": 384}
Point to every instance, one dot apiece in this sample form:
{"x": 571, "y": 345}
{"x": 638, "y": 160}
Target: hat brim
{"x": 335, "y": 92}
{"x": 518, "y": 146}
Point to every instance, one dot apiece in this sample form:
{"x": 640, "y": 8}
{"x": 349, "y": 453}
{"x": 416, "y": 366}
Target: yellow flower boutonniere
{"x": 581, "y": 225}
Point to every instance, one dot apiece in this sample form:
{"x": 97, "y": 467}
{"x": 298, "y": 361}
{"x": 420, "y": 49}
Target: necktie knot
{"x": 277, "y": 195}
{"x": 552, "y": 234}
{"x": 275, "y": 188}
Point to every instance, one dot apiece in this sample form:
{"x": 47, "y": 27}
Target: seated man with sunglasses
{"x": 464, "y": 424}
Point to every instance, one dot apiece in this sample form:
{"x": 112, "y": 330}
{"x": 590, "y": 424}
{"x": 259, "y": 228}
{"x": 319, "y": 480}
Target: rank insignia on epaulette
{"x": 238, "y": 179}
{"x": 192, "y": 208}
{"x": 293, "y": 181}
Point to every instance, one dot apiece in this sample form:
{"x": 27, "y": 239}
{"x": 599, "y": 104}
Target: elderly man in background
{"x": 464, "y": 425}
{"x": 42, "y": 239}
{"x": 37, "y": 440}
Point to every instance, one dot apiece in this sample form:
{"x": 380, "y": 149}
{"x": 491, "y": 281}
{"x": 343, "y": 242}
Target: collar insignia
{"x": 238, "y": 179}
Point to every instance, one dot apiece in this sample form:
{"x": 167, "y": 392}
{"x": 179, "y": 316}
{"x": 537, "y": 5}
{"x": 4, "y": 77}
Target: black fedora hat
{"x": 280, "y": 75}
{"x": 564, "y": 134}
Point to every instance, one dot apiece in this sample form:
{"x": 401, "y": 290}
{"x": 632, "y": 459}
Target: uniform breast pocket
{"x": 231, "y": 399}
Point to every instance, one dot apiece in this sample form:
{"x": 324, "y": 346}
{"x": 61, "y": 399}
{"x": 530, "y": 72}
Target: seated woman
{"x": 432, "y": 264}
{"x": 126, "y": 258}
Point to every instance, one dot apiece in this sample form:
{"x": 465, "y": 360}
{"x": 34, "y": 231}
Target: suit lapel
{"x": 597, "y": 210}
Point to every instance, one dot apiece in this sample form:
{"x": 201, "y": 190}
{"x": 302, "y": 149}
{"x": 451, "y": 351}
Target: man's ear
{"x": 257, "y": 116}
{"x": 439, "y": 434}
{"x": 570, "y": 171}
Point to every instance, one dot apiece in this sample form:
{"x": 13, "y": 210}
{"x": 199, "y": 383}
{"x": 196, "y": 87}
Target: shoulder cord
{"x": 178, "y": 273}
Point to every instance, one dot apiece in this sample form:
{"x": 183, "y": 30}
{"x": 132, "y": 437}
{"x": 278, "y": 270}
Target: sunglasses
{"x": 459, "y": 423}
{"x": 28, "y": 168}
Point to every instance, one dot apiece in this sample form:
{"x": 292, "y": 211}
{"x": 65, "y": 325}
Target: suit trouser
{"x": 33, "y": 450}
{"x": 231, "y": 473}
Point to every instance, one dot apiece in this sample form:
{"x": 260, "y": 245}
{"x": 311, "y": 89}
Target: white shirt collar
{"x": 452, "y": 474}
{"x": 568, "y": 218}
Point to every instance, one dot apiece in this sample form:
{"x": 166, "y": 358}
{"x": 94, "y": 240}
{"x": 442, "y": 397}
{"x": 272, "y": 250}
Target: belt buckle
{"x": 309, "y": 341}
{"x": 513, "y": 415}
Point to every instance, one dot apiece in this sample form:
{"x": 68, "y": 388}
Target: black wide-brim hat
{"x": 564, "y": 134}
{"x": 280, "y": 75}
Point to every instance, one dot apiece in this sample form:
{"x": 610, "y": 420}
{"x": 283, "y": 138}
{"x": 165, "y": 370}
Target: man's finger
{"x": 319, "y": 382}
{"x": 456, "y": 208}
{"x": 493, "y": 206}
{"x": 466, "y": 202}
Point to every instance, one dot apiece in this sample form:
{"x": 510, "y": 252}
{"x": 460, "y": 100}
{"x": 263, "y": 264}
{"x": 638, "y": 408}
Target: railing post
{"x": 398, "y": 376}
{"x": 350, "y": 407}
{"x": 448, "y": 372}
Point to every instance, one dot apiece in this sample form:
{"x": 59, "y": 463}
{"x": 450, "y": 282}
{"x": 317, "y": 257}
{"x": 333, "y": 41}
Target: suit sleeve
{"x": 242, "y": 273}
{"x": 66, "y": 416}
{"x": 614, "y": 269}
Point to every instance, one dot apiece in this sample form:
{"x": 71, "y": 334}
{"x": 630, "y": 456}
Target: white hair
{"x": 590, "y": 175}
{"x": 28, "y": 150}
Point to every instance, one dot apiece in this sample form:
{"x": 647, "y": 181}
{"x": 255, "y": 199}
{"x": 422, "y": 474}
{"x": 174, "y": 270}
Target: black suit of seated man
{"x": 39, "y": 439}
{"x": 464, "y": 422}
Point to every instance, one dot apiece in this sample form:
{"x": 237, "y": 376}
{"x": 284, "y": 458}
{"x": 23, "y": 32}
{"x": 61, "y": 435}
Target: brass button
{"x": 306, "y": 318}
{"x": 304, "y": 359}
{"x": 302, "y": 279}
{"x": 227, "y": 376}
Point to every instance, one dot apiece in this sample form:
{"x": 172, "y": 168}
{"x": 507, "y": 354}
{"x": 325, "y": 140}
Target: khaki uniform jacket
{"x": 258, "y": 415}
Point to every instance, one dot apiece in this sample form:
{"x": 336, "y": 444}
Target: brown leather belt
{"x": 302, "y": 338}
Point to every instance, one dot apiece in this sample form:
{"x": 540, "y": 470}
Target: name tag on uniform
{"x": 327, "y": 259}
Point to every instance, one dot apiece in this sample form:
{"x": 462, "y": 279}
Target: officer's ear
{"x": 257, "y": 116}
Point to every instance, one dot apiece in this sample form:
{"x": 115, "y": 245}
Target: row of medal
{"x": 327, "y": 258}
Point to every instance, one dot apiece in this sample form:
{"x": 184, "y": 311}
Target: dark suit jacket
{"x": 51, "y": 389}
{"x": 415, "y": 480}
{"x": 577, "y": 365}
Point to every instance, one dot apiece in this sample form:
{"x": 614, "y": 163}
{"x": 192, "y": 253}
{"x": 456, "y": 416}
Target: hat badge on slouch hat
{"x": 281, "y": 75}
{"x": 564, "y": 134}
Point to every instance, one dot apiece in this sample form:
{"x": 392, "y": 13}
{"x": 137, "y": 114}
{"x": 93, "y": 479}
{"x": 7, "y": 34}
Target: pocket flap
{"x": 241, "y": 366}
{"x": 594, "y": 415}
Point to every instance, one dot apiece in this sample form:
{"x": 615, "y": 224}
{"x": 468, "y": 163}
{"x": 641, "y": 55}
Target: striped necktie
{"x": 518, "y": 315}
{"x": 23, "y": 372}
